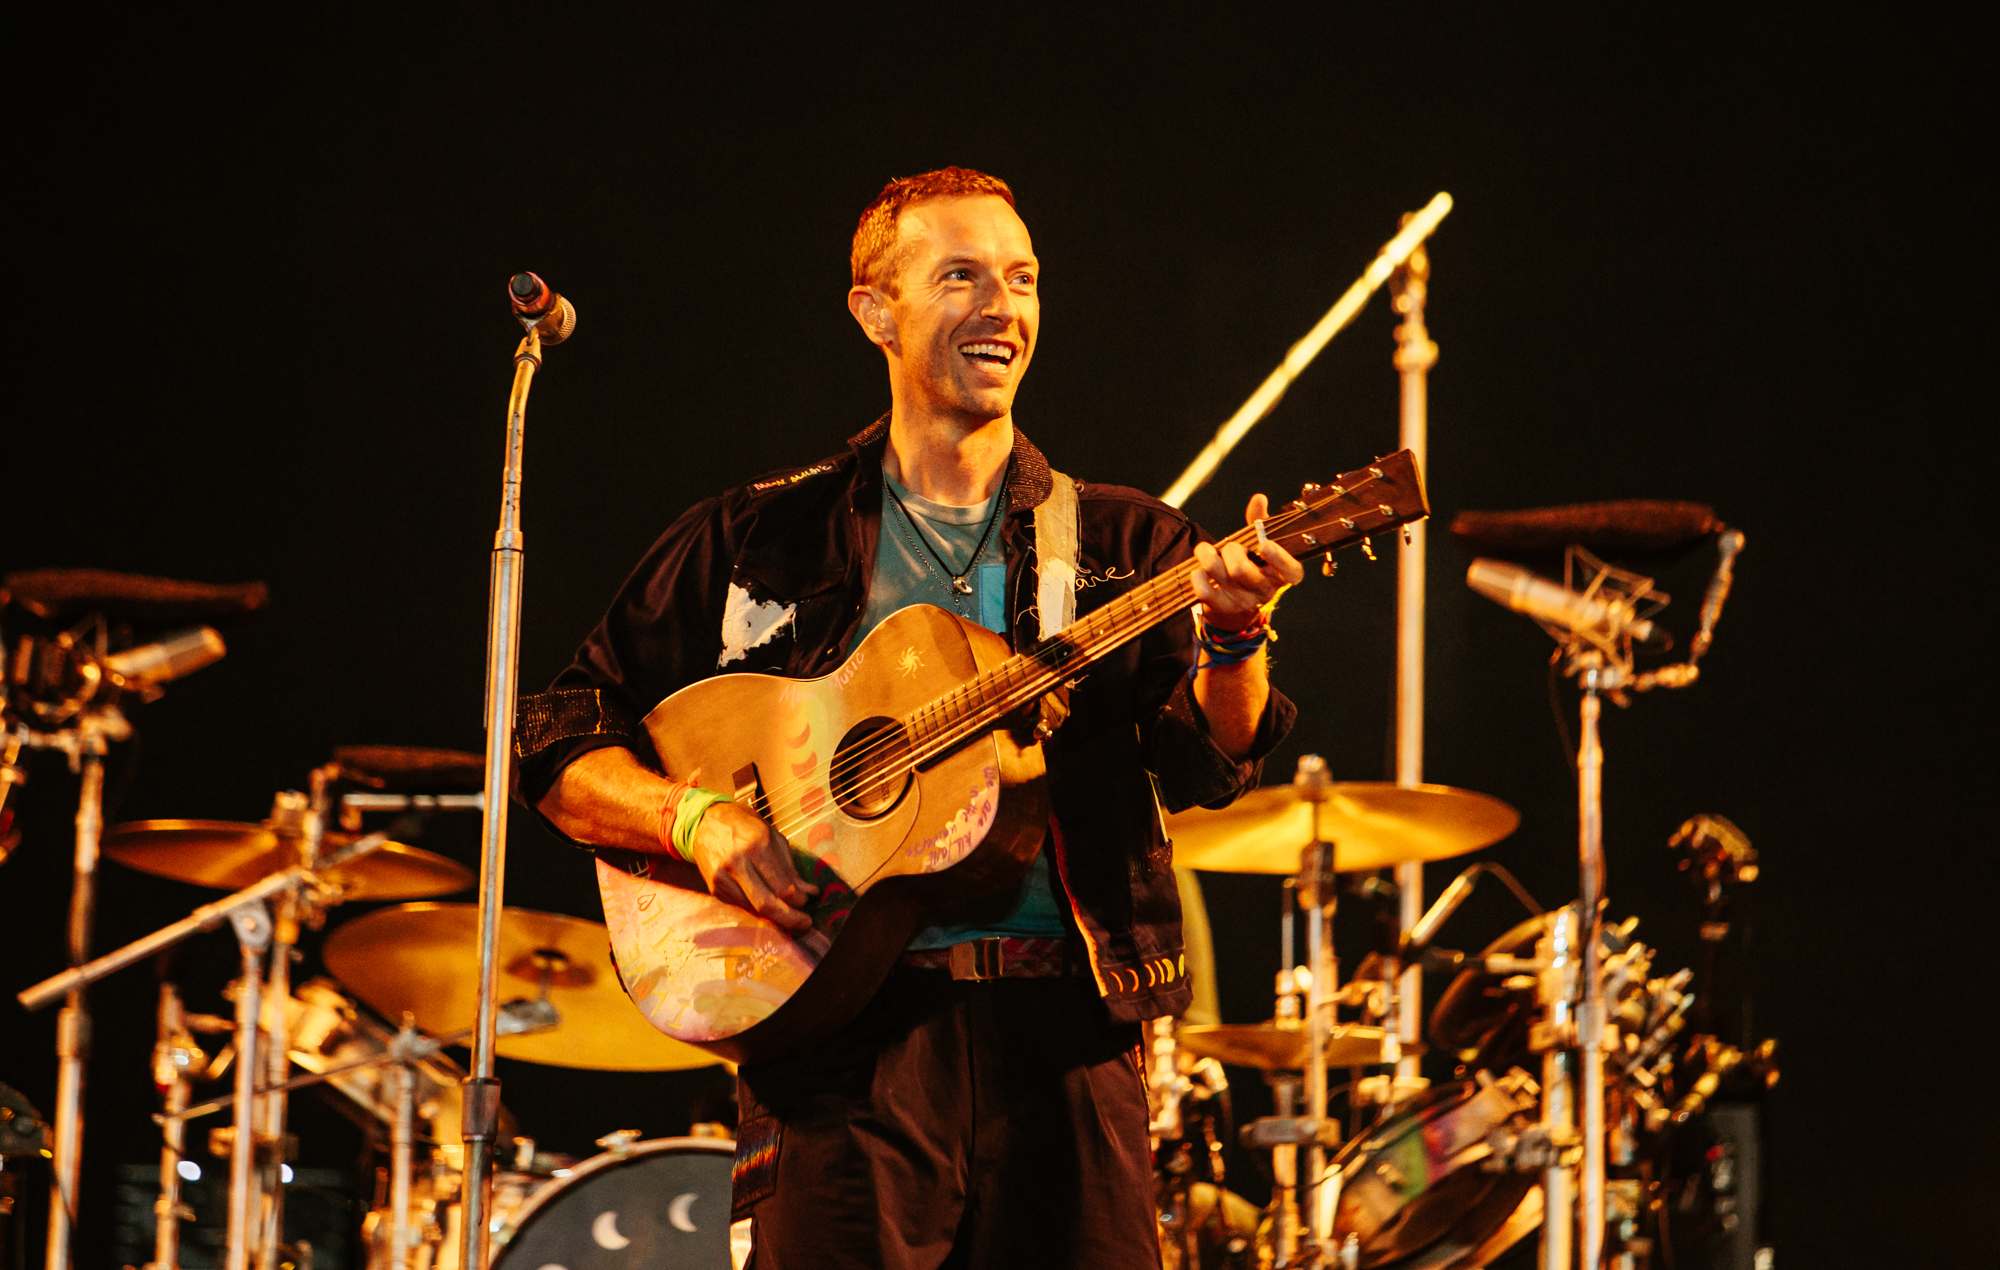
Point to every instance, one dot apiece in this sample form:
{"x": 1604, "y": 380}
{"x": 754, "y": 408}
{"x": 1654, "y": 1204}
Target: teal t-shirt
{"x": 922, "y": 545}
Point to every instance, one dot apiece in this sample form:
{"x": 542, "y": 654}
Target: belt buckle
{"x": 978, "y": 959}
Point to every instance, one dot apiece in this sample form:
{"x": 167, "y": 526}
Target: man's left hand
{"x": 1234, "y": 582}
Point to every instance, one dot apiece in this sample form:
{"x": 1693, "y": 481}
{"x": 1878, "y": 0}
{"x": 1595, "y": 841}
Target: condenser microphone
{"x": 540, "y": 309}
{"x": 1554, "y": 603}
{"x": 181, "y": 653}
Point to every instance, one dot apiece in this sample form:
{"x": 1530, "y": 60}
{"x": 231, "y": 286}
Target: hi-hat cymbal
{"x": 1372, "y": 824}
{"x": 424, "y": 958}
{"x": 1276, "y": 1048}
{"x": 231, "y": 855}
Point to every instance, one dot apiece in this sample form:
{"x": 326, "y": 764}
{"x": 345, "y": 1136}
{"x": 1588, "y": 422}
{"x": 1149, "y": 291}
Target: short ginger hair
{"x": 875, "y": 236}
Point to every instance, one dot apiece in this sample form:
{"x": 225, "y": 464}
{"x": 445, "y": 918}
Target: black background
{"x": 1735, "y": 258}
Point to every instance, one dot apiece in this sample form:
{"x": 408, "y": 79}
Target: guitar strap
{"x": 1056, "y": 532}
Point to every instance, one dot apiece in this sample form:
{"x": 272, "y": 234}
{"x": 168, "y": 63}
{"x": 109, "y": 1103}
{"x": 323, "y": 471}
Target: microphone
{"x": 1554, "y": 604}
{"x": 540, "y": 309}
{"x": 181, "y": 653}
{"x": 1726, "y": 546}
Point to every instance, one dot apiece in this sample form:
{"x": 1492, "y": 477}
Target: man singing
{"x": 981, "y": 1111}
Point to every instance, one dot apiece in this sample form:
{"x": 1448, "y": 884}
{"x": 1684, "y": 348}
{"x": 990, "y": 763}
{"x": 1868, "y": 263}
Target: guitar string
{"x": 1127, "y": 619}
{"x": 1137, "y": 618}
{"x": 1137, "y": 602}
{"x": 1128, "y": 616}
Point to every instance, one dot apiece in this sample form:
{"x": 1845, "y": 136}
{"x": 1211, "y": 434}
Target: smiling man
{"x": 988, "y": 1107}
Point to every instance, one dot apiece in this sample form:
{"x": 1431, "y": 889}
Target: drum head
{"x": 666, "y": 1204}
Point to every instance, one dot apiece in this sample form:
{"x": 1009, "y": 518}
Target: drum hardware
{"x": 233, "y": 854}
{"x": 66, "y": 692}
{"x": 254, "y": 1214}
{"x": 657, "y": 1203}
{"x": 421, "y": 958}
{"x": 1374, "y": 824}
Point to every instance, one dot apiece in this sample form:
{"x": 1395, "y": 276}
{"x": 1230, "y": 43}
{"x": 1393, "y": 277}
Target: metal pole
{"x": 73, "y": 1025}
{"x": 277, "y": 1066}
{"x": 168, "y": 1073}
{"x": 1285, "y": 1159}
{"x": 253, "y": 936}
{"x": 503, "y": 640}
{"x": 1557, "y": 951}
{"x": 1415, "y": 355}
{"x": 399, "y": 1159}
{"x": 1415, "y": 229}
{"x": 1320, "y": 892}
{"x": 1590, "y": 1010}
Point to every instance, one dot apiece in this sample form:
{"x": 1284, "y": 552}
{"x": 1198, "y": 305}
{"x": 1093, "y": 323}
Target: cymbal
{"x": 424, "y": 958}
{"x": 1281, "y": 1049}
{"x": 1372, "y": 824}
{"x": 230, "y": 855}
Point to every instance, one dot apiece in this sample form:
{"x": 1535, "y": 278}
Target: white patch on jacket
{"x": 746, "y": 624}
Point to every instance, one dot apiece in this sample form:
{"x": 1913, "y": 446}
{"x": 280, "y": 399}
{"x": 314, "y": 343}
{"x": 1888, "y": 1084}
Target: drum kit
{"x": 377, "y": 1029}
{"x": 1416, "y": 1175}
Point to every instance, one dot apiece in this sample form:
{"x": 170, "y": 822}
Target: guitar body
{"x": 889, "y": 860}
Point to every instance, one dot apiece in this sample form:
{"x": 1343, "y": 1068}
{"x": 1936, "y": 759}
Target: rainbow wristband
{"x": 688, "y": 816}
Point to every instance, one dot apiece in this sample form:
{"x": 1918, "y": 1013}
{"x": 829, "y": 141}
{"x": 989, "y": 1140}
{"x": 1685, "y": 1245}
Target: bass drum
{"x": 1412, "y": 1193}
{"x": 662, "y": 1204}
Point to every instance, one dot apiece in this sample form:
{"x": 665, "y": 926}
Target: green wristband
{"x": 687, "y": 817}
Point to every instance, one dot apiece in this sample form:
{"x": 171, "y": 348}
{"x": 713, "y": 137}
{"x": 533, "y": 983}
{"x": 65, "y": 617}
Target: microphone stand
{"x": 86, "y": 743}
{"x": 503, "y": 644}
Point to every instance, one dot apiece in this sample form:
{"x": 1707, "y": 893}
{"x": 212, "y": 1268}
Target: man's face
{"x": 964, "y": 321}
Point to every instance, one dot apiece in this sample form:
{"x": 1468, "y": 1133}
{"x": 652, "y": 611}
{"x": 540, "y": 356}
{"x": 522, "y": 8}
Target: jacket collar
{"x": 1028, "y": 481}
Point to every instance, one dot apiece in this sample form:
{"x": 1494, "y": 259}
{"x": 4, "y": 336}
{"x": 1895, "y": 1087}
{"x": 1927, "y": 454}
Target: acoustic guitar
{"x": 907, "y": 781}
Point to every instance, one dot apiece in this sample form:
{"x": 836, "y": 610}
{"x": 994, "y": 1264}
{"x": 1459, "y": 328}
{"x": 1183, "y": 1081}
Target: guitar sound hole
{"x": 871, "y": 747}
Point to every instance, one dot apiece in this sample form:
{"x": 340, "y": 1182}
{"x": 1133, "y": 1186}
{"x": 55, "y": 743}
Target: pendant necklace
{"x": 958, "y": 579}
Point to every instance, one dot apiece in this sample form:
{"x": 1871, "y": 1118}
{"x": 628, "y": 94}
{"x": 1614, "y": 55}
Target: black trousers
{"x": 954, "y": 1124}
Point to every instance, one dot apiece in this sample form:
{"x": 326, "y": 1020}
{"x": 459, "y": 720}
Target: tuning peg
{"x": 1406, "y": 535}
{"x": 1327, "y": 566}
{"x": 1368, "y": 547}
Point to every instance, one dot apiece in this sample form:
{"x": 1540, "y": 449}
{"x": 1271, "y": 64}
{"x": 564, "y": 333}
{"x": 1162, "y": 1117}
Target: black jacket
{"x": 805, "y": 540}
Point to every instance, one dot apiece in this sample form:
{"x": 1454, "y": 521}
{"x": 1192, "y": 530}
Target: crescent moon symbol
{"x": 677, "y": 1212}
{"x": 605, "y": 1231}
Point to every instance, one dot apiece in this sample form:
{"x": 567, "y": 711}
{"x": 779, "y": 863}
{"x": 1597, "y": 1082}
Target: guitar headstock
{"x": 1384, "y": 495}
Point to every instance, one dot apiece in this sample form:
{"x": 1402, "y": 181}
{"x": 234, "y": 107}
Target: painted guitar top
{"x": 899, "y": 786}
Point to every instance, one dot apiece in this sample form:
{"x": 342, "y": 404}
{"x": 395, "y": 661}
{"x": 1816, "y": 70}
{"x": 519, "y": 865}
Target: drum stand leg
{"x": 167, "y": 1210}
{"x": 278, "y": 1066}
{"x": 405, "y": 1078}
{"x": 253, "y": 936}
{"x": 73, "y": 1025}
{"x": 1557, "y": 951}
{"x": 1590, "y": 1011}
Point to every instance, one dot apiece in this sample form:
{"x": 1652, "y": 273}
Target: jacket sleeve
{"x": 662, "y": 632}
{"x": 1189, "y": 769}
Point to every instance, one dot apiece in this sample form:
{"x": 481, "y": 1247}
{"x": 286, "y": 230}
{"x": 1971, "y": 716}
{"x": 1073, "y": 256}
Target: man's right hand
{"x": 749, "y": 864}
{"x": 609, "y": 798}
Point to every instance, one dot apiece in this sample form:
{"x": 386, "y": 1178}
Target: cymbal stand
{"x": 1416, "y": 353}
{"x": 401, "y": 1134}
{"x": 301, "y": 819}
{"x": 1319, "y": 893}
{"x": 85, "y": 741}
{"x": 252, "y": 924}
{"x": 173, "y": 1054}
{"x": 1285, "y": 1088}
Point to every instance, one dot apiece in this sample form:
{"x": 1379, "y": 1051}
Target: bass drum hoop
{"x": 598, "y": 1164}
